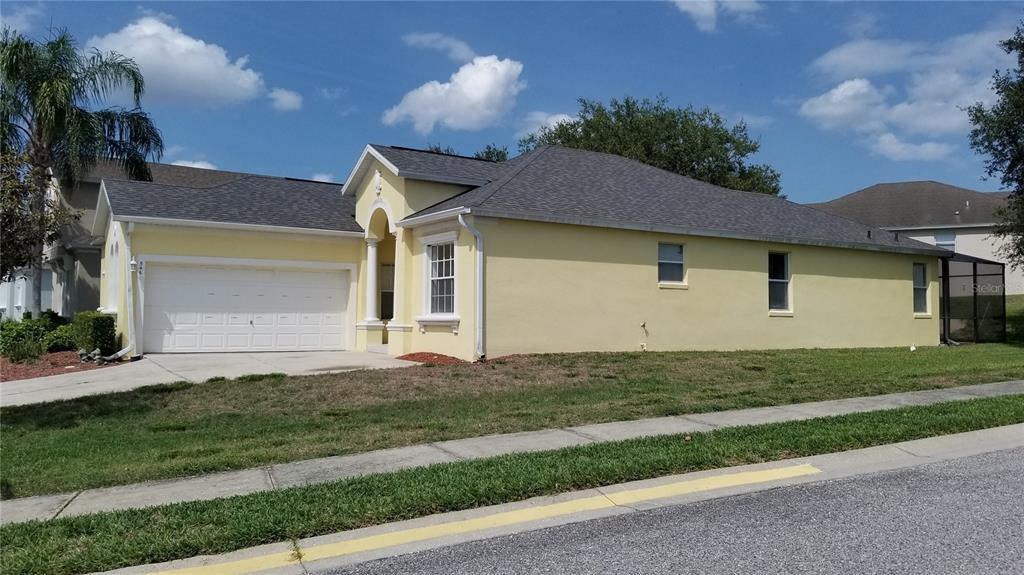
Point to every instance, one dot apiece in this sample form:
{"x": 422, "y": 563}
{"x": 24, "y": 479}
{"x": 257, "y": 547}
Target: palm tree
{"x": 49, "y": 90}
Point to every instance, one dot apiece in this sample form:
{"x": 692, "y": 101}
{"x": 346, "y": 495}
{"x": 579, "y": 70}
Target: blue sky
{"x": 842, "y": 95}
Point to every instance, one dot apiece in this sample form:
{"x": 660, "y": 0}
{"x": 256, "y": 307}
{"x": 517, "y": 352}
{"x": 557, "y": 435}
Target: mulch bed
{"x": 432, "y": 358}
{"x": 49, "y": 364}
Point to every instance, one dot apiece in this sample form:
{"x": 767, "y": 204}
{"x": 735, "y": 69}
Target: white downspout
{"x": 481, "y": 350}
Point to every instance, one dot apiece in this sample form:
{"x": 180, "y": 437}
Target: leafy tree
{"x": 493, "y": 153}
{"x": 695, "y": 143}
{"x": 25, "y": 229}
{"x": 49, "y": 92}
{"x": 437, "y": 149}
{"x": 998, "y": 133}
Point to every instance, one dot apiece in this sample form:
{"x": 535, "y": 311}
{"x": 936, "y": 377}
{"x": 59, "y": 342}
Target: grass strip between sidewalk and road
{"x": 123, "y": 538}
{"x": 179, "y": 430}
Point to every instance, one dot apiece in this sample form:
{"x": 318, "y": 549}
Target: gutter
{"x": 481, "y": 350}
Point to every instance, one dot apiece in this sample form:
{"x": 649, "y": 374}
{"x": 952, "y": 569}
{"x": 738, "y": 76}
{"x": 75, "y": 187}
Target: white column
{"x": 371, "y": 281}
{"x": 400, "y": 263}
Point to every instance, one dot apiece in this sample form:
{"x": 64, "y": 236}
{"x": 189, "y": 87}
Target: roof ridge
{"x": 411, "y": 149}
{"x": 505, "y": 179}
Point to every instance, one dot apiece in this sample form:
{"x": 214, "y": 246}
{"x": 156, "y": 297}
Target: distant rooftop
{"x": 920, "y": 204}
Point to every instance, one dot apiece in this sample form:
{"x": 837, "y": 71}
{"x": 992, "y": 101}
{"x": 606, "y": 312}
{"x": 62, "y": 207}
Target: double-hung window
{"x": 921, "y": 288}
{"x": 442, "y": 278}
{"x": 778, "y": 281}
{"x": 670, "y": 263}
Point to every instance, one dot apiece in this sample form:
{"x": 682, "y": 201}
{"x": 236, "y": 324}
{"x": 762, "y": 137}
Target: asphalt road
{"x": 962, "y": 516}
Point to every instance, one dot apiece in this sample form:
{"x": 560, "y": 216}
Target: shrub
{"x": 16, "y": 335}
{"x": 25, "y": 350}
{"x": 50, "y": 320}
{"x": 95, "y": 330}
{"x": 61, "y": 339}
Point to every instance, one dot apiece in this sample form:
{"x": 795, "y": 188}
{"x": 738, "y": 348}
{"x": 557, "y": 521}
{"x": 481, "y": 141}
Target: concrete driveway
{"x": 193, "y": 367}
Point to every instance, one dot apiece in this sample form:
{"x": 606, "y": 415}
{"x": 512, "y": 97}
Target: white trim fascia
{"x": 399, "y": 327}
{"x": 702, "y": 232}
{"x": 236, "y": 226}
{"x": 946, "y": 227}
{"x": 102, "y": 211}
{"x": 441, "y": 179}
{"x": 368, "y": 150}
{"x": 245, "y": 262}
{"x": 439, "y": 238}
{"x": 414, "y": 220}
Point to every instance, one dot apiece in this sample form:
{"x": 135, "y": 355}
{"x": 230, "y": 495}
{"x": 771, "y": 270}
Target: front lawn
{"x": 183, "y": 429}
{"x": 1015, "y": 318}
{"x": 122, "y": 538}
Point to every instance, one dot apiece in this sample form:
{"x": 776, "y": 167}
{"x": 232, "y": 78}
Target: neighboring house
{"x": 555, "y": 250}
{"x": 954, "y": 218}
{"x": 71, "y": 266}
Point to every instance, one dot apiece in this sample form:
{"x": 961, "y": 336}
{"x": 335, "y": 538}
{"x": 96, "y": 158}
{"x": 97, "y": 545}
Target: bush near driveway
{"x": 94, "y": 330}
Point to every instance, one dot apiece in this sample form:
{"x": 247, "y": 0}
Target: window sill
{"x": 922, "y": 316}
{"x": 673, "y": 285}
{"x": 445, "y": 320}
{"x": 780, "y": 313}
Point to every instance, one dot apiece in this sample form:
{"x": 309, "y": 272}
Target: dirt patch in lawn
{"x": 49, "y": 364}
{"x": 433, "y": 358}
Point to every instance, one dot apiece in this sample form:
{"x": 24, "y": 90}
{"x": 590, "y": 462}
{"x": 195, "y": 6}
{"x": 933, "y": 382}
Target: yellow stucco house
{"x": 554, "y": 250}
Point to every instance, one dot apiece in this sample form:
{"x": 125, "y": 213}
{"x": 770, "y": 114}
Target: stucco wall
{"x": 975, "y": 242}
{"x": 553, "y": 287}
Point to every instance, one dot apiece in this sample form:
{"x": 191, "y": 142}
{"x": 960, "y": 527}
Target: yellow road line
{"x": 503, "y": 519}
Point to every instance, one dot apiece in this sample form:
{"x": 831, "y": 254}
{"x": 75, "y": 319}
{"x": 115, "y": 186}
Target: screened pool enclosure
{"x": 973, "y": 300}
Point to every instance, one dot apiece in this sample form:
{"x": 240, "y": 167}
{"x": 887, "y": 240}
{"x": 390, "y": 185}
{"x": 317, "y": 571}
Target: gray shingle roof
{"x": 422, "y": 164}
{"x": 575, "y": 186}
{"x": 167, "y": 174}
{"x": 245, "y": 199}
{"x": 916, "y": 205}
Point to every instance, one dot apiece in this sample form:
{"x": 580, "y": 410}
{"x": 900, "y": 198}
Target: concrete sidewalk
{"x": 155, "y": 369}
{"x": 326, "y": 469}
{"x": 329, "y": 552}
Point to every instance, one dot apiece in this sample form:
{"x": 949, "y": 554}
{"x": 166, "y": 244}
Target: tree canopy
{"x": 22, "y": 227}
{"x": 695, "y": 143}
{"x": 998, "y": 133}
{"x": 49, "y": 97}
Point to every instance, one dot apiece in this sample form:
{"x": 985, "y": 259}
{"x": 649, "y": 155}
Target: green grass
{"x": 123, "y": 538}
{"x": 182, "y": 429}
{"x": 1015, "y": 318}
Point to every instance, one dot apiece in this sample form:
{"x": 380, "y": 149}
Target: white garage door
{"x": 199, "y": 308}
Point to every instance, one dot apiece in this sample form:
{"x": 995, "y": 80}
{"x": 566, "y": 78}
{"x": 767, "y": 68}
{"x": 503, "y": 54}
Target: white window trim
{"x": 671, "y": 284}
{"x": 451, "y": 320}
{"x": 927, "y": 313}
{"x": 788, "y": 312}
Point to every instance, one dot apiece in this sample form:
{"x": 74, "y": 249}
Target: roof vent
{"x": 967, "y": 204}
{"x": 869, "y": 234}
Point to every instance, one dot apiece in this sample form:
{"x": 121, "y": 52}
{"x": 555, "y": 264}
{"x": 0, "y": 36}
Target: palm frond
{"x": 103, "y": 73}
{"x": 130, "y": 139}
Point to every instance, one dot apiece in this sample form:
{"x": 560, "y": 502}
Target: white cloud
{"x": 285, "y": 100}
{"x": 473, "y": 98}
{"x": 534, "y": 121}
{"x": 457, "y": 49}
{"x": 181, "y": 68}
{"x": 890, "y": 146}
{"x": 854, "y": 103}
{"x": 22, "y": 17}
{"x": 322, "y": 177}
{"x": 705, "y": 12}
{"x": 862, "y": 25}
{"x": 203, "y": 164}
{"x": 889, "y": 90}
{"x": 332, "y": 93}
